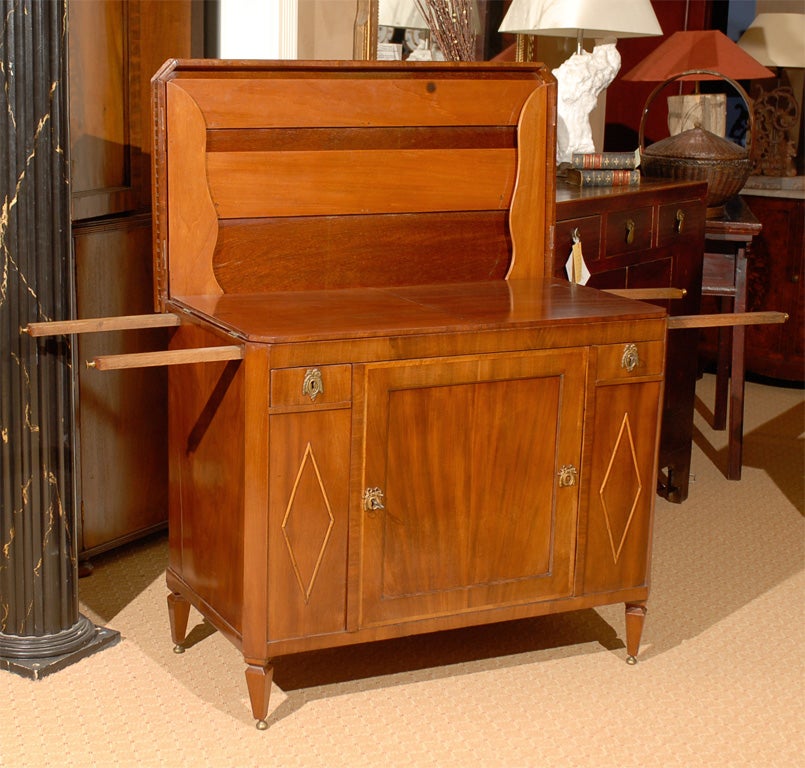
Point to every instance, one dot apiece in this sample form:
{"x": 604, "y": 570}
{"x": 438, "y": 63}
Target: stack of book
{"x": 604, "y": 169}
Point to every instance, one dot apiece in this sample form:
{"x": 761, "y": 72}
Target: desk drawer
{"x": 680, "y": 220}
{"x": 589, "y": 232}
{"x": 644, "y": 358}
{"x": 325, "y": 385}
{"x": 629, "y": 230}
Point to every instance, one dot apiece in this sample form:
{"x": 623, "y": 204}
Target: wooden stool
{"x": 728, "y": 241}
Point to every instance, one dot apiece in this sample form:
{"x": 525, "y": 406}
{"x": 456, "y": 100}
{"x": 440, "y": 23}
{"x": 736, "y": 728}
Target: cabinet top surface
{"x": 296, "y": 316}
{"x": 567, "y": 193}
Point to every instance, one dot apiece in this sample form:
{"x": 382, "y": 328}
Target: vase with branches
{"x": 453, "y": 24}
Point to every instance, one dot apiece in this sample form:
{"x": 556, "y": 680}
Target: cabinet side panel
{"x": 206, "y": 477}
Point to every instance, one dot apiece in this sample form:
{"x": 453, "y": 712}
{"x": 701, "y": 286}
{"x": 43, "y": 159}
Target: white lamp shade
{"x": 596, "y": 18}
{"x": 400, "y": 13}
{"x": 776, "y": 39}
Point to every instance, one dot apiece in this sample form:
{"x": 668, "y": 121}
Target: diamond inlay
{"x": 621, "y": 482}
{"x": 309, "y": 487}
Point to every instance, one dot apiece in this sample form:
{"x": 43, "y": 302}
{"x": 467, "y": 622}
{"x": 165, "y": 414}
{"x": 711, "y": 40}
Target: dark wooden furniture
{"x": 114, "y": 49}
{"x": 386, "y": 417}
{"x": 647, "y": 236}
{"x": 775, "y": 281}
{"x": 728, "y": 242}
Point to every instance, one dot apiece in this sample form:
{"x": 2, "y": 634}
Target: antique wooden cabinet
{"x": 386, "y": 417}
{"x": 114, "y": 48}
{"x": 774, "y": 281}
{"x": 647, "y": 236}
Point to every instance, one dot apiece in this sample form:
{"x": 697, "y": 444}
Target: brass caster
{"x": 631, "y": 660}
{"x": 178, "y": 649}
{"x": 261, "y": 725}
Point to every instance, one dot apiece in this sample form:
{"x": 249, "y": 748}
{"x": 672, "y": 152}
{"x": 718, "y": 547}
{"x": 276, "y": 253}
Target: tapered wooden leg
{"x": 635, "y": 616}
{"x": 258, "y": 680}
{"x": 178, "y": 612}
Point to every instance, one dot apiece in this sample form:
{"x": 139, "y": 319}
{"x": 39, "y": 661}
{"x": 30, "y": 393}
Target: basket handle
{"x": 718, "y": 76}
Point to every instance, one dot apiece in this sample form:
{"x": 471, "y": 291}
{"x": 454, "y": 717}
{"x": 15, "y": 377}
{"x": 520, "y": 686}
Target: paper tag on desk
{"x": 575, "y": 266}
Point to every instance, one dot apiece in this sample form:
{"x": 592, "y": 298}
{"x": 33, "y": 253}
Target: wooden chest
{"x": 391, "y": 419}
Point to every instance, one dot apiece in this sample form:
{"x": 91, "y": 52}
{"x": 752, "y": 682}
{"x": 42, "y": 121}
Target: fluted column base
{"x": 38, "y": 656}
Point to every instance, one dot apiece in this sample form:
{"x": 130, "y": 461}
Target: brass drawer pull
{"x": 630, "y": 230}
{"x": 312, "y": 386}
{"x": 680, "y": 220}
{"x": 631, "y": 357}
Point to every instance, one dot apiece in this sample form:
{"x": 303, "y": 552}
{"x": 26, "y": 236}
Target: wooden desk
{"x": 418, "y": 427}
{"x": 728, "y": 242}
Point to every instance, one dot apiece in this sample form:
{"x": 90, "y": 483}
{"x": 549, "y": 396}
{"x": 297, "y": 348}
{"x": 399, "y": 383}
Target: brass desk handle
{"x": 680, "y": 220}
{"x": 630, "y": 230}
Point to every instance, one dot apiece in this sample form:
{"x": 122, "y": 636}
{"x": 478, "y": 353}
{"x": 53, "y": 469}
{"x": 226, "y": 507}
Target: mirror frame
{"x": 364, "y": 44}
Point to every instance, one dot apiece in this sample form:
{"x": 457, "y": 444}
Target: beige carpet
{"x": 720, "y": 680}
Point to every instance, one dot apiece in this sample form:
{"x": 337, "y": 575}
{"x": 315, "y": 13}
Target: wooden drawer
{"x": 678, "y": 220}
{"x": 311, "y": 386}
{"x": 589, "y": 231}
{"x": 629, "y": 230}
{"x": 614, "y": 360}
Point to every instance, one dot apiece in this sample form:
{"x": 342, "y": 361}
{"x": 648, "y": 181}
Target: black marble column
{"x": 41, "y": 629}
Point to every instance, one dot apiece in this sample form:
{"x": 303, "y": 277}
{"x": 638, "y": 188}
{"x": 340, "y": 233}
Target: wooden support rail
{"x": 733, "y": 318}
{"x": 97, "y": 324}
{"x": 647, "y": 294}
{"x": 166, "y": 357}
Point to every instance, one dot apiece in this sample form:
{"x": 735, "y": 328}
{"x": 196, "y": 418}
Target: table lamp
{"x": 403, "y": 14}
{"x": 584, "y": 75}
{"x": 697, "y": 52}
{"x": 776, "y": 40}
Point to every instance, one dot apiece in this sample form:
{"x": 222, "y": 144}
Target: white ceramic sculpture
{"x": 580, "y": 80}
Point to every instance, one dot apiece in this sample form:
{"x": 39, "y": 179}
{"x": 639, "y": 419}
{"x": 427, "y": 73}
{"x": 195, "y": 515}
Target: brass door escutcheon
{"x": 373, "y": 499}
{"x": 567, "y": 475}
{"x": 312, "y": 386}
{"x": 631, "y": 358}
{"x": 630, "y": 230}
{"x": 680, "y": 220}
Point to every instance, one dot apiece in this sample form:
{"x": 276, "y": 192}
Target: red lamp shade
{"x": 705, "y": 49}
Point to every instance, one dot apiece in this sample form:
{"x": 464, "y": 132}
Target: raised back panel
{"x": 310, "y": 175}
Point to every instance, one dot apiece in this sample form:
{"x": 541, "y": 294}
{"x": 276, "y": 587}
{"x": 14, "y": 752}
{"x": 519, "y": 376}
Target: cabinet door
{"x": 620, "y": 486}
{"x": 467, "y": 453}
{"x": 307, "y": 542}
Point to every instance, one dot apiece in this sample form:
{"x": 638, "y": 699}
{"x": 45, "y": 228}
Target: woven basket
{"x": 698, "y": 155}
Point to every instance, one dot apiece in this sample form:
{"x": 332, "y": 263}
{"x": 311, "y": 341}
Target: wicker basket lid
{"x": 696, "y": 144}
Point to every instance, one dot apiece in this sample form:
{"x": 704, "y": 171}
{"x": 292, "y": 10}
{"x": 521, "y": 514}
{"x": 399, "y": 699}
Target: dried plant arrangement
{"x": 452, "y": 24}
